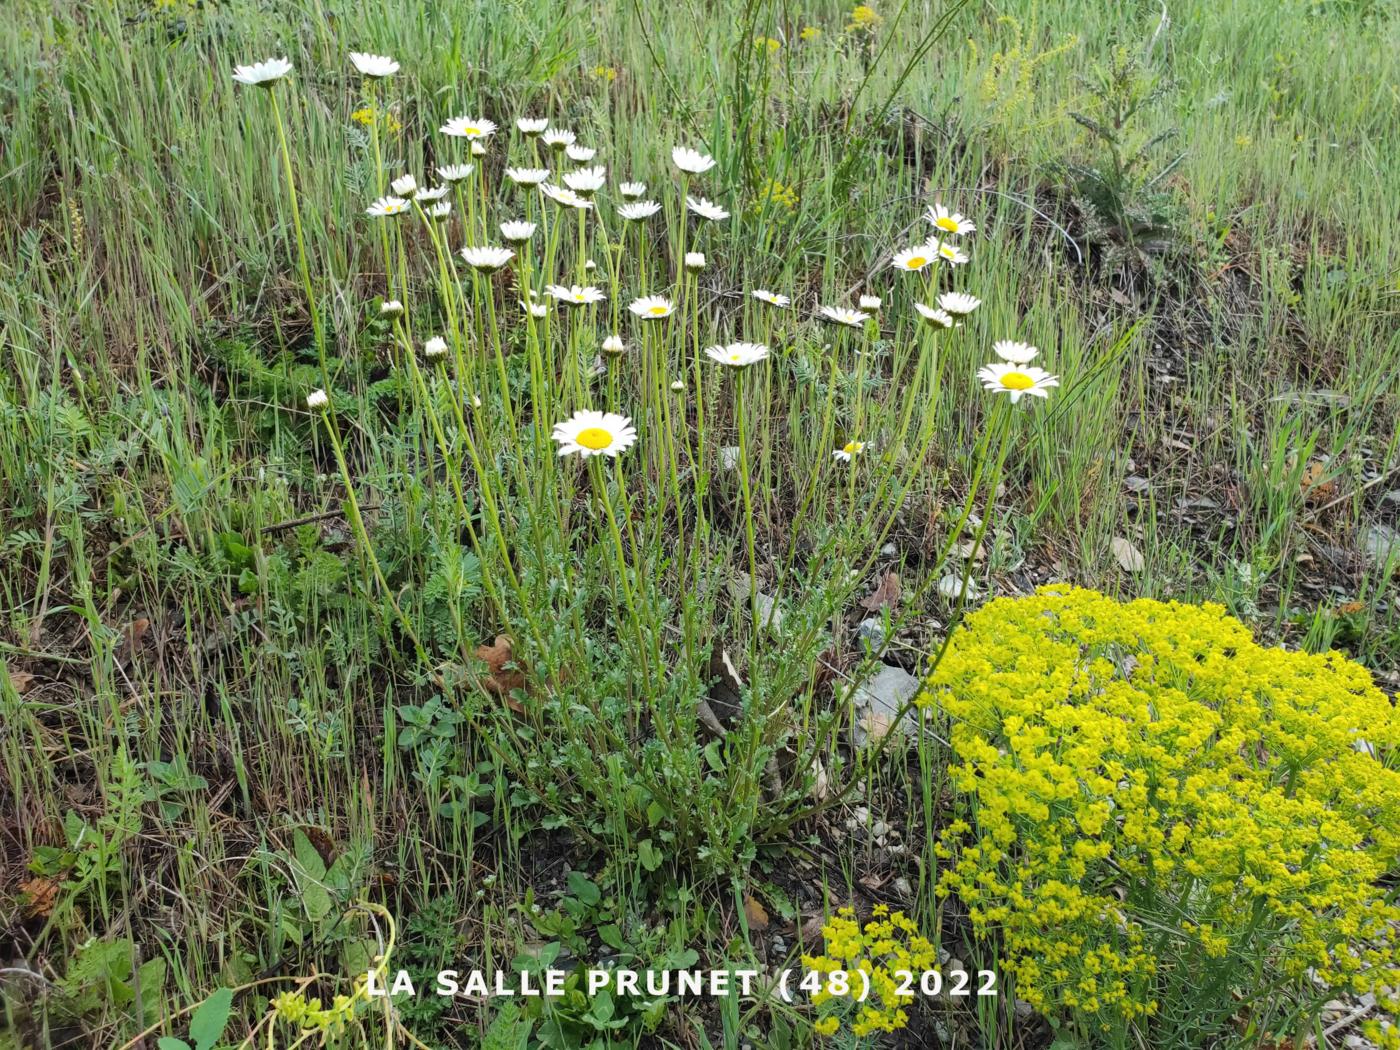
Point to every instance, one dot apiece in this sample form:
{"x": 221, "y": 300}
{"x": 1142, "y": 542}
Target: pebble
{"x": 871, "y": 631}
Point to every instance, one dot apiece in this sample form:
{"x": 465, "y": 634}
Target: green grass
{"x": 213, "y": 683}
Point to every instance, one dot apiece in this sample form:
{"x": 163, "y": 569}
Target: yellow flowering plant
{"x": 1166, "y": 826}
{"x": 885, "y": 950}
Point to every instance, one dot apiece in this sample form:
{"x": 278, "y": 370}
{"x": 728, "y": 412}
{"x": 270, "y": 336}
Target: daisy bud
{"x": 435, "y": 349}
{"x": 678, "y": 386}
{"x": 613, "y": 345}
{"x": 391, "y": 308}
{"x": 694, "y": 261}
{"x": 317, "y": 400}
{"x": 869, "y": 302}
{"x": 404, "y": 185}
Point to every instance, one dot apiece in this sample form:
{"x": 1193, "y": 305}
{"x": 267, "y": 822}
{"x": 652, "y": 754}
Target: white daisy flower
{"x": 317, "y": 400}
{"x": 1014, "y": 352}
{"x": 558, "y": 138}
{"x": 737, "y": 355}
{"x": 439, "y": 211}
{"x": 763, "y": 295}
{"x": 613, "y": 345}
{"x": 487, "y": 259}
{"x": 869, "y": 302}
{"x": 432, "y": 193}
{"x": 387, "y": 206}
{"x": 689, "y": 160}
{"x": 694, "y": 261}
{"x": 639, "y": 210}
{"x": 632, "y": 190}
{"x": 455, "y": 172}
{"x": 262, "y": 74}
{"x": 576, "y": 295}
{"x": 531, "y": 126}
{"x": 579, "y": 154}
{"x": 404, "y": 185}
{"x": 959, "y": 304}
{"x": 591, "y": 433}
{"x": 535, "y": 309}
{"x": 1017, "y": 380}
{"x": 706, "y": 210}
{"x": 948, "y": 252}
{"x": 946, "y": 221}
{"x": 374, "y": 65}
{"x": 912, "y": 260}
{"x": 518, "y": 231}
{"x": 435, "y": 348}
{"x": 651, "y": 307}
{"x": 473, "y": 128}
{"x": 391, "y": 308}
{"x": 527, "y": 176}
{"x": 586, "y": 181}
{"x": 934, "y": 316}
{"x": 848, "y": 450}
{"x": 563, "y": 197}
{"x": 840, "y": 315}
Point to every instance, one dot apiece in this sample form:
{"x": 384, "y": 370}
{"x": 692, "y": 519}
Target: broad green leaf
{"x": 209, "y": 1020}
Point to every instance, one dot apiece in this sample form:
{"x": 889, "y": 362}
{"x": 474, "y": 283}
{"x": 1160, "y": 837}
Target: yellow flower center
{"x": 915, "y": 262}
{"x": 852, "y": 447}
{"x": 472, "y": 130}
{"x": 1017, "y": 381}
{"x": 658, "y": 311}
{"x": 594, "y": 438}
{"x": 946, "y": 222}
{"x": 734, "y": 357}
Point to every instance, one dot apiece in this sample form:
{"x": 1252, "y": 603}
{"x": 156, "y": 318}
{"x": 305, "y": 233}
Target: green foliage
{"x": 207, "y": 1024}
{"x": 1127, "y": 211}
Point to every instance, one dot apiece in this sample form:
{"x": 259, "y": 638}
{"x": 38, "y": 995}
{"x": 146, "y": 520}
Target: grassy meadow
{"x": 329, "y": 645}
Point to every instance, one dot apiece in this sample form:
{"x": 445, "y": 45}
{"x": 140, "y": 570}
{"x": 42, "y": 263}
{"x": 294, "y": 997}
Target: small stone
{"x": 729, "y": 457}
{"x": 881, "y": 699}
{"x": 950, "y": 586}
{"x": 770, "y": 613}
{"x": 1025, "y": 1012}
{"x": 1381, "y": 545}
{"x": 889, "y": 550}
{"x": 871, "y": 631}
{"x": 879, "y": 829}
{"x": 902, "y": 887}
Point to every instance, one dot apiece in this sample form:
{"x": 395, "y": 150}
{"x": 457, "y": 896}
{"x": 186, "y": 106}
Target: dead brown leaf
{"x": 40, "y": 895}
{"x": 21, "y": 680}
{"x": 886, "y": 594}
{"x": 755, "y": 913}
{"x": 1316, "y": 486}
{"x": 500, "y": 680}
{"x": 1128, "y": 556}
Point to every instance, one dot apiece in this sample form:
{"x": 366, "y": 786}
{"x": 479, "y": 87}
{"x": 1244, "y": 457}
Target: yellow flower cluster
{"x": 864, "y": 19}
{"x": 767, "y": 43}
{"x": 365, "y": 116}
{"x": 608, "y": 73}
{"x": 1148, "y": 791}
{"x": 886, "y": 946}
{"x": 309, "y": 1015}
{"x": 776, "y": 194}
